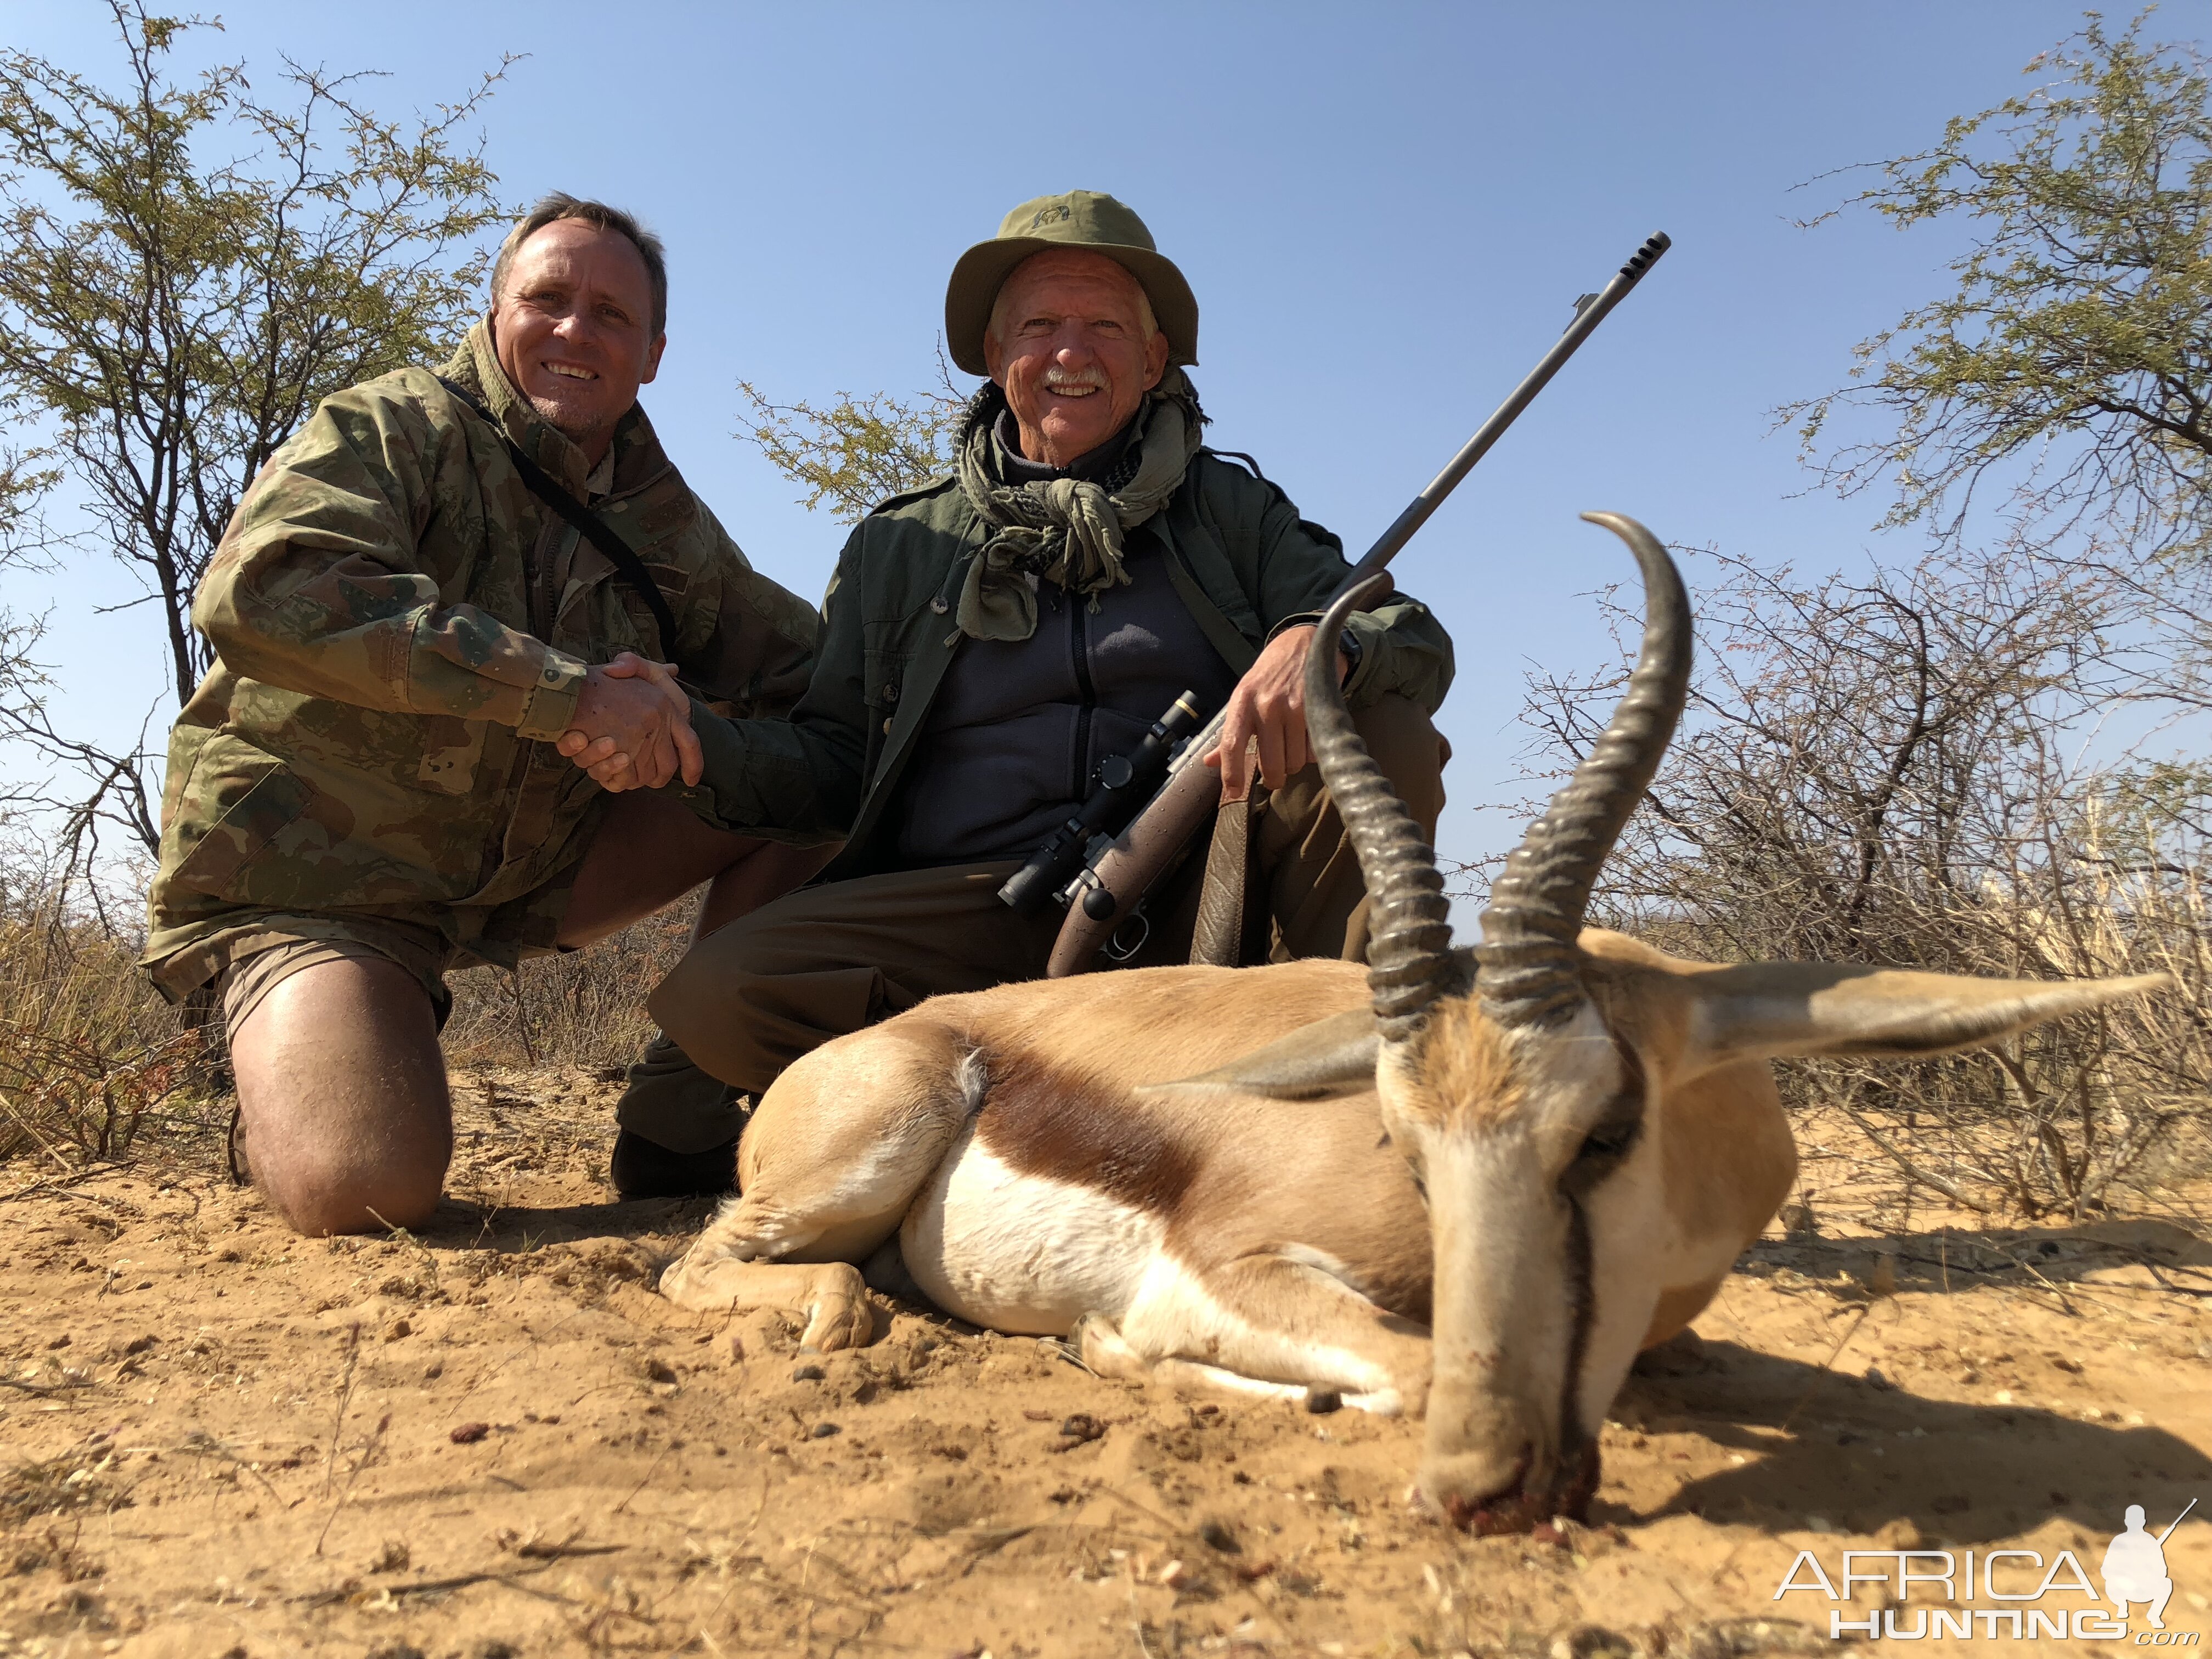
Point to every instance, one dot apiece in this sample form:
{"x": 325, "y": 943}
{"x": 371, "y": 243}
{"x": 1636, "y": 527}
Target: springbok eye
{"x": 1609, "y": 1141}
{"x": 1615, "y": 1133}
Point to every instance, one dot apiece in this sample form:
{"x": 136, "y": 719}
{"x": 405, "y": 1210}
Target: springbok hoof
{"x": 828, "y": 1295}
{"x": 1104, "y": 1351}
{"x": 839, "y": 1313}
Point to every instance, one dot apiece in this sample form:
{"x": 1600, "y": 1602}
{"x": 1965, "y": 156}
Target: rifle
{"x": 2176, "y": 1521}
{"x": 1119, "y": 872}
{"x": 1119, "y": 787}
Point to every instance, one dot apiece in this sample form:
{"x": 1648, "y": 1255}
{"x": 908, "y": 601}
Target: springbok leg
{"x": 1104, "y": 1352}
{"x": 828, "y": 1294}
{"x": 830, "y": 1164}
{"x": 1266, "y": 1321}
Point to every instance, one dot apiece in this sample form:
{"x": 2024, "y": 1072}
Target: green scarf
{"x": 1064, "y": 530}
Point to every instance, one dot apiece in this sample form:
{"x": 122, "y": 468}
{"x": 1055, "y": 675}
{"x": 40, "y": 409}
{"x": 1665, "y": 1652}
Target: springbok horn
{"x": 1409, "y": 959}
{"x": 1526, "y": 971}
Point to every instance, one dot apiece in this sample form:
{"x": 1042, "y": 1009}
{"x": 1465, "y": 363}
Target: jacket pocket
{"x": 1204, "y": 578}
{"x": 883, "y": 678}
{"x": 247, "y": 816}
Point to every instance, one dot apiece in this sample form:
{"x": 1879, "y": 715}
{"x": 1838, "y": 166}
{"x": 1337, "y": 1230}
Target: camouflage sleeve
{"x": 748, "y": 649}
{"x": 320, "y": 588}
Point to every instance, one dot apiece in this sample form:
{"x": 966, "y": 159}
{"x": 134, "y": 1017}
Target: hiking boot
{"x": 678, "y": 1128}
{"x": 641, "y": 1168}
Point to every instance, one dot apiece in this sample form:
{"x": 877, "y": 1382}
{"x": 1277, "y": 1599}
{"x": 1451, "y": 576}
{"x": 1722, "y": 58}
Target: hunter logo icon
{"x": 2134, "y": 1566}
{"x": 1058, "y": 213}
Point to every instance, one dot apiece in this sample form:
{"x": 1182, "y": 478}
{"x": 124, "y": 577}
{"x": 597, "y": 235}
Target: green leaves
{"x": 2071, "y": 367}
{"x": 856, "y": 452}
{"x": 167, "y": 316}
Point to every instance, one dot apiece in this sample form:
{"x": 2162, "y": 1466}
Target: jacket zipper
{"x": 1079, "y": 642}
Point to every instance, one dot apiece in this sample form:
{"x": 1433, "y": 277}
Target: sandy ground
{"x": 217, "y": 1439}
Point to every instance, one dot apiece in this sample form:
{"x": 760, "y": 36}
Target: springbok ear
{"x": 1332, "y": 1056}
{"x": 1773, "y": 1010}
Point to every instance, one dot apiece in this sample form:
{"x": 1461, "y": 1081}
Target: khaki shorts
{"x": 428, "y": 940}
{"x": 260, "y": 961}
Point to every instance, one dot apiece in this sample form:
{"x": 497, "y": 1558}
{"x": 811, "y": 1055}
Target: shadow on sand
{"x": 1857, "y": 1456}
{"x": 1819, "y": 1445}
{"x": 662, "y": 1225}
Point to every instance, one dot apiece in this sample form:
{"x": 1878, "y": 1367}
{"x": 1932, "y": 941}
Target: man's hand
{"x": 633, "y": 726}
{"x": 1269, "y": 704}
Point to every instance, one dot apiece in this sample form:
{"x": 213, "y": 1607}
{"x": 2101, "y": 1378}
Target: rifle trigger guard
{"x": 1115, "y": 950}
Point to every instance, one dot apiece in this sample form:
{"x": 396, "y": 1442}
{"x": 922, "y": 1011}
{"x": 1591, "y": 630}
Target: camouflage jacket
{"x": 401, "y": 628}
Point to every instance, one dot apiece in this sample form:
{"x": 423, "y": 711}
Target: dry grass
{"x": 94, "y": 1066}
{"x": 582, "y": 1008}
{"x": 91, "y": 1058}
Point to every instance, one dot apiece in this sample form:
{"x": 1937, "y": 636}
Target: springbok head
{"x": 1529, "y": 1083}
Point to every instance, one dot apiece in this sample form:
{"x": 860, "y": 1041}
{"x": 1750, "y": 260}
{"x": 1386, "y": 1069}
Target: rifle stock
{"x": 1111, "y": 887}
{"x": 1140, "y": 855}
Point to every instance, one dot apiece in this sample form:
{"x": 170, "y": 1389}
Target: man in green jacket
{"x": 989, "y": 639}
{"x": 366, "y": 793}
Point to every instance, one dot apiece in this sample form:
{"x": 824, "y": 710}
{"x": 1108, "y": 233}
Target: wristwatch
{"x": 1348, "y": 642}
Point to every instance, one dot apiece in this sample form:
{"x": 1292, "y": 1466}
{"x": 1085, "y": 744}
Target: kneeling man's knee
{"x": 694, "y": 1000}
{"x": 349, "y": 1124}
{"x": 343, "y": 1186}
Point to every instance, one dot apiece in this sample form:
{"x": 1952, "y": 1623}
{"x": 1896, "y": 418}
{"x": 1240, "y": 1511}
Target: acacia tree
{"x": 185, "y": 269}
{"x": 2071, "y": 363}
{"x": 1878, "y": 769}
{"x": 23, "y": 481}
{"x": 1889, "y": 768}
{"x": 853, "y": 453}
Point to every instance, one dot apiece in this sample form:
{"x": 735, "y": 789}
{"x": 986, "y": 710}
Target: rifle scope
{"x": 1121, "y": 784}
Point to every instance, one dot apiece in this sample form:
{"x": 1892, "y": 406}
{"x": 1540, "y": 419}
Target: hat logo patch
{"x": 1057, "y": 212}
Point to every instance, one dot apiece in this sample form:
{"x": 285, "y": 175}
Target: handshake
{"x": 633, "y": 726}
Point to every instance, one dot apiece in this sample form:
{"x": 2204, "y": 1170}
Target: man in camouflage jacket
{"x": 365, "y": 791}
{"x": 988, "y": 639}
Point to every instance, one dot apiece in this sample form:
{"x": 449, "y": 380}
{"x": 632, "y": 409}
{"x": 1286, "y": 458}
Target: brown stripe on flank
{"x": 1064, "y": 1125}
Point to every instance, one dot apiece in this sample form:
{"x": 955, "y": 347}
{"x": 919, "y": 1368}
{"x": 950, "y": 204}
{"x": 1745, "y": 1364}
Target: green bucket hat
{"x": 1081, "y": 219}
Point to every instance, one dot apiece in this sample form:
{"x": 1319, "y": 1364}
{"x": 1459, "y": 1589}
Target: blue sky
{"x": 1385, "y": 210}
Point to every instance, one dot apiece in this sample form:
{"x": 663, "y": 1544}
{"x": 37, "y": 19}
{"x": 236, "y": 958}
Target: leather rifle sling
{"x": 588, "y": 524}
{"x": 1231, "y": 928}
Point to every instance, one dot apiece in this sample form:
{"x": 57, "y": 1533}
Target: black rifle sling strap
{"x": 588, "y": 524}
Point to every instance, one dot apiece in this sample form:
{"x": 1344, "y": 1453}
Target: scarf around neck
{"x": 1063, "y": 530}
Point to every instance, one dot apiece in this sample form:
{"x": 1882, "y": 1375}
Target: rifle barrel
{"x": 1143, "y": 849}
{"x": 1588, "y": 315}
{"x": 1589, "y": 312}
{"x": 2176, "y": 1521}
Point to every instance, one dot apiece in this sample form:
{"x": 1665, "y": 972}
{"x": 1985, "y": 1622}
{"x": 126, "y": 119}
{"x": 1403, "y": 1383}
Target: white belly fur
{"x": 1022, "y": 1253}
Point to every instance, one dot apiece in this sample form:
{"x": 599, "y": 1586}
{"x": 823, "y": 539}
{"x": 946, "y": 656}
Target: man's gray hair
{"x": 557, "y": 206}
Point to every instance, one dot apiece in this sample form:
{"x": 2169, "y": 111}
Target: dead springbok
{"x": 1475, "y": 1186}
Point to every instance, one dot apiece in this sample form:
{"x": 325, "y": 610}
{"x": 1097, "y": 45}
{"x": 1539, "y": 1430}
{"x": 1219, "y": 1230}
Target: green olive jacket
{"x": 1240, "y": 557}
